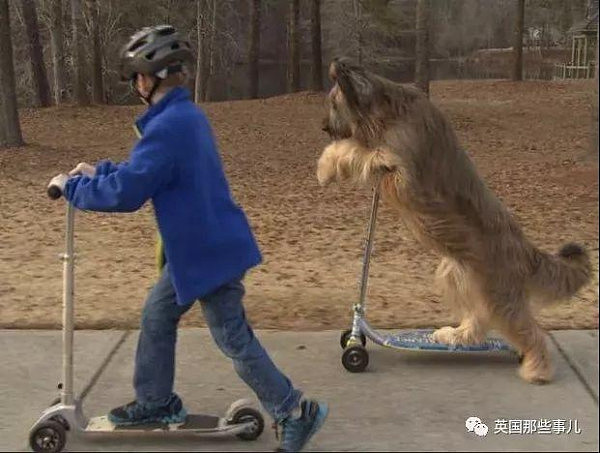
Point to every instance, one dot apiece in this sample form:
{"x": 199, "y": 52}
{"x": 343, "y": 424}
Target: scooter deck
{"x": 422, "y": 339}
{"x": 193, "y": 422}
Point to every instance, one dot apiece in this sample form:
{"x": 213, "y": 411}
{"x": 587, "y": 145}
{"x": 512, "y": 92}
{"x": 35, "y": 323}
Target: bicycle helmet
{"x": 157, "y": 51}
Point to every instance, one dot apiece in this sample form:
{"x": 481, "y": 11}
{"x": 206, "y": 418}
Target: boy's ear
{"x": 353, "y": 81}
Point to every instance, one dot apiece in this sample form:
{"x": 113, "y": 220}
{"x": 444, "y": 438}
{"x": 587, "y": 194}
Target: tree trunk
{"x": 78, "y": 50}
{"x": 36, "y": 54}
{"x": 422, "y": 47}
{"x": 205, "y": 43}
{"x": 208, "y": 41}
{"x": 10, "y": 129}
{"x": 315, "y": 26}
{"x": 517, "y": 74}
{"x": 254, "y": 49}
{"x": 357, "y": 6}
{"x": 200, "y": 10}
{"x": 97, "y": 77}
{"x": 294, "y": 47}
{"x": 594, "y": 141}
{"x": 58, "y": 51}
{"x": 211, "y": 50}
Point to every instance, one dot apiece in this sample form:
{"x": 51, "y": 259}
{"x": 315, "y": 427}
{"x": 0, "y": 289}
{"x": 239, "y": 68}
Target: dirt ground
{"x": 524, "y": 138}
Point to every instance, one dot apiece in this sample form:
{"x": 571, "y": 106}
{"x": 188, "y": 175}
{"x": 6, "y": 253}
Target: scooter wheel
{"x": 245, "y": 415}
{"x": 355, "y": 359}
{"x": 49, "y": 437}
{"x": 346, "y": 336}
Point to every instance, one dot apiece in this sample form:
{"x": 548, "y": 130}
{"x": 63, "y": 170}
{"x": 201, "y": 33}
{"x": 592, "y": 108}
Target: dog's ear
{"x": 354, "y": 82}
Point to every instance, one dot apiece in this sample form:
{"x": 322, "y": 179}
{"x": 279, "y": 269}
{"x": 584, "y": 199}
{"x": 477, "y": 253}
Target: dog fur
{"x": 391, "y": 134}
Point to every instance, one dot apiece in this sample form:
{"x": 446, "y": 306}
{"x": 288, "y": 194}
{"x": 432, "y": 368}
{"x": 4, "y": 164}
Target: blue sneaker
{"x": 135, "y": 413}
{"x": 296, "y": 432}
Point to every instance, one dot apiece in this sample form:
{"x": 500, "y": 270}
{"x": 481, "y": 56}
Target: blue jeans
{"x": 224, "y": 313}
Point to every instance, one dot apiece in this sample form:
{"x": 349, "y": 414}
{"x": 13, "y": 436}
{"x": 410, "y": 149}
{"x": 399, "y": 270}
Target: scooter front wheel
{"x": 49, "y": 437}
{"x": 355, "y": 359}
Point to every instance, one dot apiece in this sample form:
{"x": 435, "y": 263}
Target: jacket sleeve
{"x": 105, "y": 167}
{"x": 130, "y": 185}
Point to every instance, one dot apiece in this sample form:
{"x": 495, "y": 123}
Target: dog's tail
{"x": 558, "y": 277}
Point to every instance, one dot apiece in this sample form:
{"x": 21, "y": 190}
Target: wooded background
{"x": 58, "y": 42}
{"x": 55, "y": 51}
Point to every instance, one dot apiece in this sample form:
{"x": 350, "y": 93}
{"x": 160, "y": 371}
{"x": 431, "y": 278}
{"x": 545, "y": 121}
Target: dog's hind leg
{"x": 512, "y": 315}
{"x": 460, "y": 291}
{"x": 520, "y": 328}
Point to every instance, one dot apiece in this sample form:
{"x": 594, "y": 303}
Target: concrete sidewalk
{"x": 405, "y": 401}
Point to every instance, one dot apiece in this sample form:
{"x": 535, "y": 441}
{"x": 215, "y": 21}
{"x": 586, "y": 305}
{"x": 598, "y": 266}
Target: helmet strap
{"x": 147, "y": 100}
{"x": 155, "y": 87}
{"x": 158, "y": 77}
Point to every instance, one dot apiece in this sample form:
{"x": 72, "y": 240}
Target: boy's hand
{"x": 83, "y": 169}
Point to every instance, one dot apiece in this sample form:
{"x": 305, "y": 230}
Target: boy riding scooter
{"x": 208, "y": 243}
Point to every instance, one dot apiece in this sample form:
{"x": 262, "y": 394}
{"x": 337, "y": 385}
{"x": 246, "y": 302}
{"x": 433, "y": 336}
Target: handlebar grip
{"x": 54, "y": 192}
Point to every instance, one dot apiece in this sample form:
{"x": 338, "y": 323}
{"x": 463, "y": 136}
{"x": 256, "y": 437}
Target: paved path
{"x": 405, "y": 401}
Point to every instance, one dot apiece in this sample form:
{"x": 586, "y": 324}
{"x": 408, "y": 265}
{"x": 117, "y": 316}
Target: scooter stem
{"x": 68, "y": 271}
{"x": 369, "y": 246}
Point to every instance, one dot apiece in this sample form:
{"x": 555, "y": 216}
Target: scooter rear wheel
{"x": 49, "y": 437}
{"x": 247, "y": 414}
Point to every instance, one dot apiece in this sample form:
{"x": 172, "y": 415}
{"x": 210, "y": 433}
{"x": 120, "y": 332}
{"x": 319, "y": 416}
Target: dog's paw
{"x": 326, "y": 172}
{"x": 324, "y": 178}
{"x": 535, "y": 370}
{"x": 445, "y": 335}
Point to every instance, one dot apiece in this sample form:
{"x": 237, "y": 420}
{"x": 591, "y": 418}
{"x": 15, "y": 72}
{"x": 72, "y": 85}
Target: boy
{"x": 208, "y": 244}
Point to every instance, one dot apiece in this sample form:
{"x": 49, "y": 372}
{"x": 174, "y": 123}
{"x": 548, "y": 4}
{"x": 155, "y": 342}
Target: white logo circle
{"x": 471, "y": 422}
{"x": 481, "y": 429}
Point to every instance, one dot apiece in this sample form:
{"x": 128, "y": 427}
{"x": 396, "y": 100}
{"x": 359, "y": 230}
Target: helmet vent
{"x": 150, "y": 56}
{"x": 175, "y": 46}
{"x": 137, "y": 45}
{"x": 166, "y": 31}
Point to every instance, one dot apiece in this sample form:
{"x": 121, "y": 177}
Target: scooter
{"x": 355, "y": 357}
{"x": 49, "y": 433}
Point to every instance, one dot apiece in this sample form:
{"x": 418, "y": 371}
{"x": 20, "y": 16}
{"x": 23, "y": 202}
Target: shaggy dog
{"x": 391, "y": 134}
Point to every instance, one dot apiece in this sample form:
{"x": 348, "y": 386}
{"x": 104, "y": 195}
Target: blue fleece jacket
{"x": 207, "y": 239}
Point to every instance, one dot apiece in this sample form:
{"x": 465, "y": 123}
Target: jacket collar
{"x": 176, "y": 94}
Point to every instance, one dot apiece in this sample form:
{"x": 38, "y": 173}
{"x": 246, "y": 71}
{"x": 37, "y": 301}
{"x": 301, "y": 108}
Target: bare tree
{"x": 518, "y": 41}
{"x": 10, "y": 129}
{"x": 81, "y": 94}
{"x": 317, "y": 55}
{"x": 97, "y": 77}
{"x": 359, "y": 29}
{"x": 294, "y": 46}
{"x": 36, "y": 54}
{"x": 254, "y": 48}
{"x": 58, "y": 51}
{"x": 594, "y": 142}
{"x": 200, "y": 57}
{"x": 206, "y": 29}
{"x": 210, "y": 67}
{"x": 422, "y": 47}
